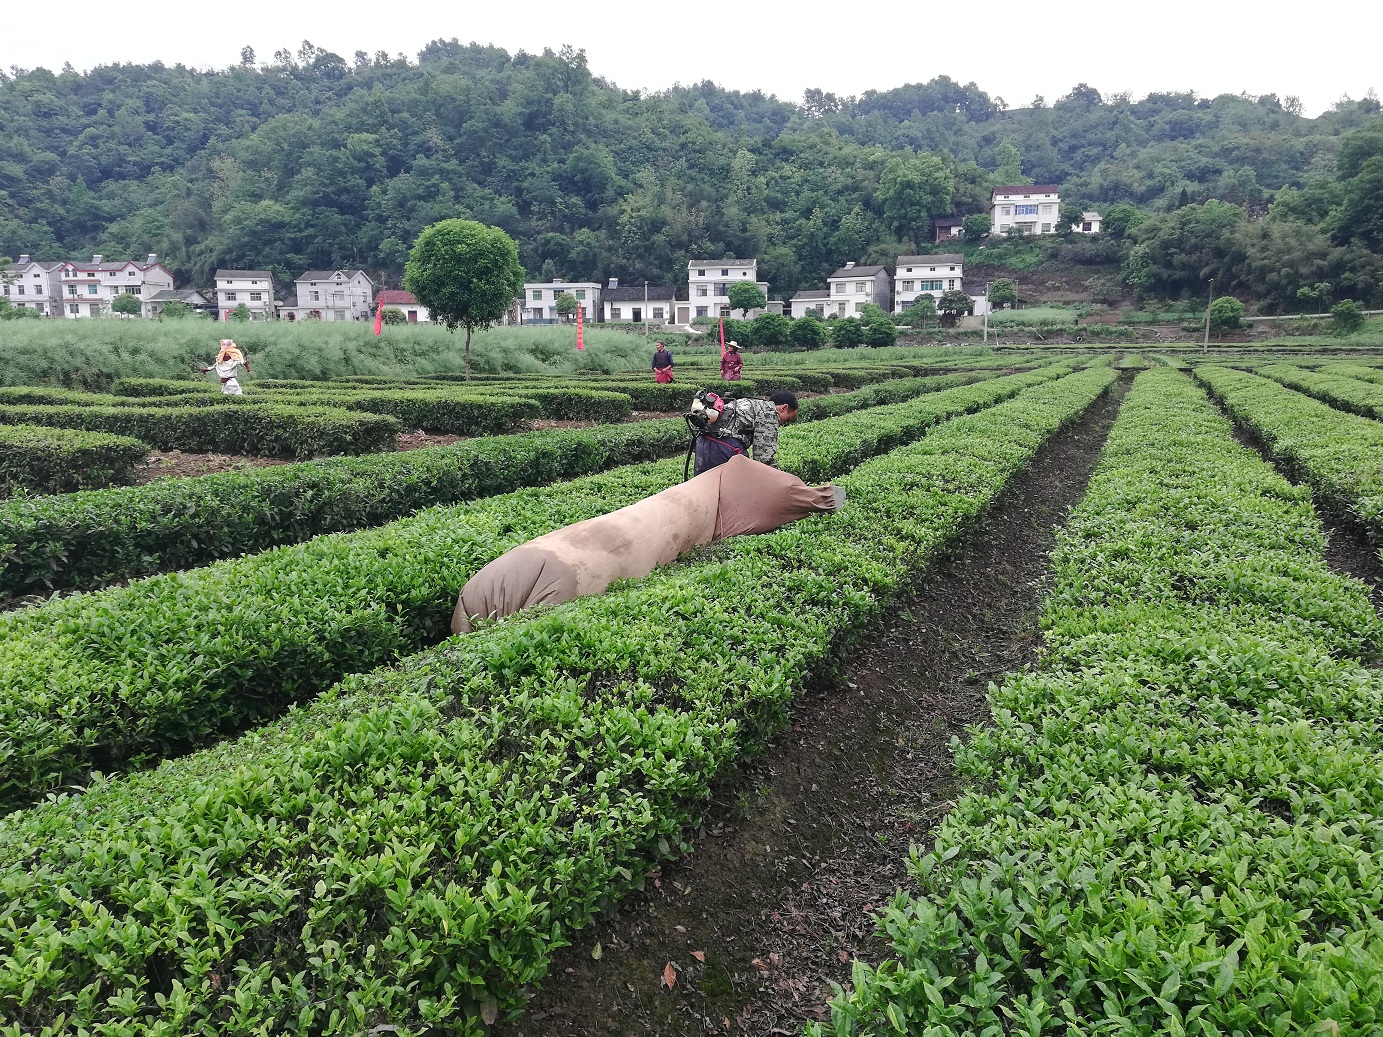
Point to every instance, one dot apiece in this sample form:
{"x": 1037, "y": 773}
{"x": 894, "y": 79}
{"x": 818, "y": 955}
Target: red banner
{"x": 580, "y": 332}
{"x": 379, "y": 316}
{"x": 722, "y": 334}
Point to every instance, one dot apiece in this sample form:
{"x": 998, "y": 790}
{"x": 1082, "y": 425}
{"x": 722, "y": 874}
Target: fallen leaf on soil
{"x": 680, "y": 928}
{"x": 775, "y": 958}
{"x": 759, "y": 963}
{"x": 669, "y": 976}
{"x": 699, "y": 955}
{"x": 844, "y": 958}
{"x": 597, "y": 951}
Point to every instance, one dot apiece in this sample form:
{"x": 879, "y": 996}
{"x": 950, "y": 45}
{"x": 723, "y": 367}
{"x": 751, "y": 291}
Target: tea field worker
{"x": 740, "y": 426}
{"x": 229, "y": 363}
{"x": 662, "y": 364}
{"x": 731, "y": 362}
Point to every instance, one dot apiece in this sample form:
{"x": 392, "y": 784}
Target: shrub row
{"x": 49, "y": 460}
{"x": 411, "y": 847}
{"x": 453, "y": 414}
{"x": 86, "y": 540}
{"x": 1176, "y": 820}
{"x": 1336, "y": 453}
{"x": 1348, "y": 394}
{"x": 264, "y": 430}
{"x": 172, "y": 672}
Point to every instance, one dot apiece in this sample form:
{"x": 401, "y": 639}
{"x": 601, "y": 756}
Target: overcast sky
{"x": 1015, "y": 49}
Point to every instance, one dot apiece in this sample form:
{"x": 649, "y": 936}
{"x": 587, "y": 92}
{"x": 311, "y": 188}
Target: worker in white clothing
{"x": 229, "y": 363}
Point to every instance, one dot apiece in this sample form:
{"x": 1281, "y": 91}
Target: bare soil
{"x": 802, "y": 848}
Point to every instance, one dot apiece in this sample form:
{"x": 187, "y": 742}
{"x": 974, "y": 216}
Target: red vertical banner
{"x": 580, "y": 331}
{"x": 379, "y": 315}
{"x": 722, "y": 334}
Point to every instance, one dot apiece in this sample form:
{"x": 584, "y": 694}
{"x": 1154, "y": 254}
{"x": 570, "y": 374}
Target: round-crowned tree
{"x": 566, "y": 304}
{"x": 125, "y": 305}
{"x": 880, "y": 331}
{"x": 1226, "y": 313}
{"x": 745, "y": 296}
{"x": 846, "y": 332}
{"x": 772, "y": 330}
{"x": 394, "y": 316}
{"x": 466, "y": 274}
{"x": 1002, "y": 292}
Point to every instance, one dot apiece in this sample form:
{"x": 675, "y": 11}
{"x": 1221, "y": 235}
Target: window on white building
{"x": 906, "y": 286}
{"x": 92, "y": 289}
{"x": 537, "y": 295}
{"x": 313, "y": 296}
{"x": 657, "y": 313}
{"x": 1025, "y": 210}
{"x": 951, "y": 284}
{"x": 581, "y": 293}
{"x": 614, "y": 313}
{"x": 73, "y": 308}
{"x": 861, "y": 286}
{"x": 21, "y": 290}
{"x": 929, "y": 286}
{"x": 702, "y": 291}
{"x": 840, "y": 287}
{"x": 230, "y": 297}
{"x": 725, "y": 273}
{"x": 701, "y": 273}
{"x": 256, "y": 297}
{"x": 703, "y": 311}
{"x": 722, "y": 289}
{"x": 1046, "y": 228}
{"x": 72, "y": 289}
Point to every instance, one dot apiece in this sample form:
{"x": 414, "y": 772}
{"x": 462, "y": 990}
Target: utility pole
{"x": 1206, "y": 348}
{"x": 645, "y": 311}
{"x": 986, "y": 311}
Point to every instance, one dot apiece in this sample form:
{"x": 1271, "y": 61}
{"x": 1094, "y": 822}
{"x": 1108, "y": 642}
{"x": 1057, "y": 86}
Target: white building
{"x": 252, "y": 288}
{"x": 1089, "y": 224}
{"x": 31, "y": 285}
{"x": 810, "y": 301}
{"x": 540, "y": 300}
{"x": 708, "y": 287}
{"x": 852, "y": 287}
{"x": 90, "y": 289}
{"x": 398, "y": 299}
{"x": 925, "y": 275}
{"x": 1024, "y": 209}
{"x": 332, "y": 295}
{"x": 153, "y": 306}
{"x": 653, "y": 303}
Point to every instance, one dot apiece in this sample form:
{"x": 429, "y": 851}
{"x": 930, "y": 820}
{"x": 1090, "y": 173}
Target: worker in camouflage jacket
{"x": 740, "y": 426}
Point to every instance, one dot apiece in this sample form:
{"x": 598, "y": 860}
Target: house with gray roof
{"x": 332, "y": 295}
{"x": 253, "y": 289}
{"x": 852, "y": 287}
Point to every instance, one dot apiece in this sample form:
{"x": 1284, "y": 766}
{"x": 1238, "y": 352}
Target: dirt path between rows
{"x": 798, "y": 853}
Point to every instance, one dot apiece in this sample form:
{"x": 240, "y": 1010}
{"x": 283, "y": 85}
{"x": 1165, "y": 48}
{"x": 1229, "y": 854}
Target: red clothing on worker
{"x": 730, "y": 364}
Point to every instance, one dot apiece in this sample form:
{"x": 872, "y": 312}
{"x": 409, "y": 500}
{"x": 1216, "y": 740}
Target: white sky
{"x": 1018, "y": 48}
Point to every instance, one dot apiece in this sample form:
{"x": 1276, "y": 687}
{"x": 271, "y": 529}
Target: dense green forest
{"x": 313, "y": 160}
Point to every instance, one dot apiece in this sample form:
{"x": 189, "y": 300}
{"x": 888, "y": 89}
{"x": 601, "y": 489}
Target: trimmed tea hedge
{"x": 303, "y": 616}
{"x": 34, "y": 459}
{"x": 414, "y": 845}
{"x": 1337, "y": 453}
{"x": 160, "y": 387}
{"x": 1176, "y": 819}
{"x": 84, "y": 540}
{"x": 1350, "y": 394}
{"x": 468, "y": 415}
{"x": 264, "y": 430}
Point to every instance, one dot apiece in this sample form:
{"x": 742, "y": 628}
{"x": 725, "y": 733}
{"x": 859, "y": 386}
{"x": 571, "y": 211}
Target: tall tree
{"x": 912, "y": 191}
{"x": 466, "y": 274}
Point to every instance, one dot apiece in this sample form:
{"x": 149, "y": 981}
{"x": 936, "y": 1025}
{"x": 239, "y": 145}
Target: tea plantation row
{"x": 171, "y": 661}
{"x": 1176, "y": 821}
{"x": 409, "y": 849}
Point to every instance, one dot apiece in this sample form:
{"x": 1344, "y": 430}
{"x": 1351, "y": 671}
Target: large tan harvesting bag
{"x": 733, "y": 499}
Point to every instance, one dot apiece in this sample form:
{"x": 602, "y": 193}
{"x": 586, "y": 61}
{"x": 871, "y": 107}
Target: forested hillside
{"x": 312, "y": 160}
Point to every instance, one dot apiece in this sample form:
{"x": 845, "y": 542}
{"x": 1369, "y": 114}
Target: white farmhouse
{"x": 708, "y": 287}
{"x": 253, "y": 288}
{"x": 1089, "y": 223}
{"x": 31, "y": 285}
{"x": 925, "y": 275}
{"x": 90, "y": 289}
{"x": 397, "y": 299}
{"x": 853, "y": 287}
{"x": 540, "y": 300}
{"x": 652, "y": 303}
{"x": 1024, "y": 209}
{"x": 332, "y": 295}
{"x": 810, "y": 301}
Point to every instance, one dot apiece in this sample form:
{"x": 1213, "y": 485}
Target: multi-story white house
{"x": 634, "y": 305}
{"x": 708, "y": 287}
{"x": 253, "y": 288}
{"x": 89, "y": 289}
{"x": 31, "y": 285}
{"x": 852, "y": 287}
{"x": 332, "y": 295}
{"x": 925, "y": 275}
{"x": 540, "y": 300}
{"x": 1024, "y": 209}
